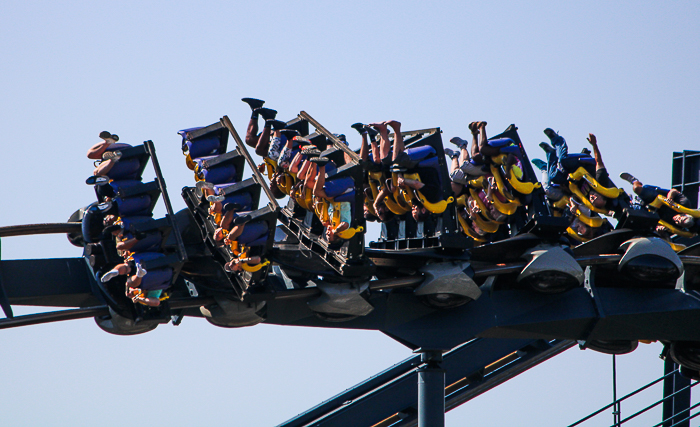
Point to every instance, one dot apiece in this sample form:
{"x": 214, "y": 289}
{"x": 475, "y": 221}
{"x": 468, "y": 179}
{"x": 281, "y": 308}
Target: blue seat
{"x": 254, "y": 234}
{"x": 134, "y": 206}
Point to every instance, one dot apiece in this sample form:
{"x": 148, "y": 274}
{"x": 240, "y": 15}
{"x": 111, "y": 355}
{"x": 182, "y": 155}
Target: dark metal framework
{"x": 462, "y": 351}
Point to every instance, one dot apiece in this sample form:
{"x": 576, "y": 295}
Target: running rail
{"x": 390, "y": 397}
{"x": 46, "y": 228}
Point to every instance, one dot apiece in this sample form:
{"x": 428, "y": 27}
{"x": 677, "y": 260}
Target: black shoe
{"x": 586, "y": 151}
{"x": 97, "y": 180}
{"x": 290, "y": 133}
{"x": 451, "y": 153}
{"x": 359, "y": 127}
{"x": 275, "y": 124}
{"x": 105, "y": 206}
{"x": 628, "y": 177}
{"x": 547, "y": 148}
{"x": 104, "y": 135}
{"x": 213, "y": 199}
{"x": 201, "y": 185}
{"x": 320, "y": 161}
{"x": 253, "y": 103}
{"x": 311, "y": 151}
{"x": 550, "y": 133}
{"x": 266, "y": 113}
{"x": 241, "y": 219}
{"x": 232, "y": 207}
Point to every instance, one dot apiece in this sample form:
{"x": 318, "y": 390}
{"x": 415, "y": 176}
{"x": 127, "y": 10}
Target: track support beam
{"x": 431, "y": 389}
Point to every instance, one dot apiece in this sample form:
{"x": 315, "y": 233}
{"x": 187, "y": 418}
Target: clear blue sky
{"x": 626, "y": 71}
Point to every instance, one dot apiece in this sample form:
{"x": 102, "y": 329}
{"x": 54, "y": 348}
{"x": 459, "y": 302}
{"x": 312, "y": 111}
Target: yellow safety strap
{"x": 271, "y": 166}
{"x": 436, "y": 208}
{"x": 590, "y": 221}
{"x": 561, "y": 203}
{"x": 583, "y": 199}
{"x": 499, "y": 159}
{"x": 506, "y": 208}
{"x": 496, "y": 172}
{"x": 468, "y": 230}
{"x": 350, "y": 232}
{"x": 253, "y": 268}
{"x": 661, "y": 201}
{"x": 483, "y": 207}
{"x": 575, "y": 235}
{"x": 189, "y": 162}
{"x": 520, "y": 186}
{"x": 677, "y": 230}
{"x": 217, "y": 218}
{"x": 486, "y": 225}
{"x": 581, "y": 173}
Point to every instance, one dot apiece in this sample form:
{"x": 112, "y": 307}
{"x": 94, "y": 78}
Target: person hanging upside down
{"x": 648, "y": 194}
{"x": 329, "y": 191}
{"x": 256, "y": 105}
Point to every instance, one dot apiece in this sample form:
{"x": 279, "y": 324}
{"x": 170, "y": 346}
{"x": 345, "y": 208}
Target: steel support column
{"x": 431, "y": 390}
{"x": 675, "y": 408}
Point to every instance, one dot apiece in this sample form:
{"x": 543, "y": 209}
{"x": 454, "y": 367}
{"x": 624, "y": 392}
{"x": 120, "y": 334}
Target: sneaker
{"x": 109, "y": 276}
{"x": 628, "y": 177}
{"x": 320, "y": 161}
{"x": 253, "y": 103}
{"x": 459, "y": 142}
{"x": 451, "y": 153}
{"x": 213, "y": 199}
{"x": 547, "y": 148}
{"x": 550, "y": 133}
{"x": 275, "y": 124}
{"x": 266, "y": 113}
{"x": 105, "y": 206}
{"x": 97, "y": 180}
{"x": 140, "y": 271}
{"x": 586, "y": 151}
{"x": 105, "y": 135}
{"x": 290, "y": 134}
{"x": 241, "y": 219}
{"x": 201, "y": 185}
{"x": 311, "y": 151}
{"x": 302, "y": 140}
{"x": 359, "y": 127}
{"x": 111, "y": 155}
{"x": 540, "y": 164}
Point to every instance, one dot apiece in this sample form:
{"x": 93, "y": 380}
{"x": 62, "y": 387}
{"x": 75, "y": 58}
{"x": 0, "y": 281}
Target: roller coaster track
{"x": 498, "y": 328}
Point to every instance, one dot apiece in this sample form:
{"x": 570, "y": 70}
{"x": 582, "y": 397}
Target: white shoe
{"x": 140, "y": 271}
{"x": 109, "y": 276}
